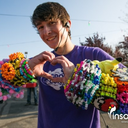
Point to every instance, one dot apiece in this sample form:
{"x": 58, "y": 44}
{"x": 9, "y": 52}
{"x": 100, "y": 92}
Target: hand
{"x": 68, "y": 68}
{"x": 36, "y": 64}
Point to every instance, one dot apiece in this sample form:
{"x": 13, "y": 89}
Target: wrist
{"x": 31, "y": 64}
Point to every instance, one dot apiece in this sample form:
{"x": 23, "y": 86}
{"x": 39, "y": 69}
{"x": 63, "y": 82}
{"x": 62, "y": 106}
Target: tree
{"x": 123, "y": 46}
{"x": 118, "y": 53}
{"x": 97, "y": 41}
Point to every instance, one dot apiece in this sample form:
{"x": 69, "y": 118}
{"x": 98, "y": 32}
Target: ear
{"x": 68, "y": 25}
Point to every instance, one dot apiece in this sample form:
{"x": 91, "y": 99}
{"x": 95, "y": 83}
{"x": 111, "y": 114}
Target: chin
{"x": 52, "y": 47}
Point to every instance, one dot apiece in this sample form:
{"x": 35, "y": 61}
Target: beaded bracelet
{"x": 107, "y": 89}
{"x": 7, "y": 71}
{"x": 24, "y": 76}
{"x": 7, "y": 89}
{"x": 16, "y": 59}
{"x": 85, "y": 87}
{"x": 26, "y": 69}
{"x": 123, "y": 108}
{"x": 6, "y": 84}
{"x": 14, "y": 76}
{"x": 121, "y": 78}
{"x": 122, "y": 88}
{"x": 83, "y": 84}
{"x": 123, "y": 97}
{"x": 11, "y": 71}
{"x": 15, "y": 56}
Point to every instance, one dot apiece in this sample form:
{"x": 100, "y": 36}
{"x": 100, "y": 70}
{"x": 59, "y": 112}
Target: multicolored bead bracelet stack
{"x": 121, "y": 78}
{"x": 106, "y": 93}
{"x": 14, "y": 74}
{"x": 88, "y": 85}
{"x": 82, "y": 85}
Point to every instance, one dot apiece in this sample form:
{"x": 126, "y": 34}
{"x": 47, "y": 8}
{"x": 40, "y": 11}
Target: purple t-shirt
{"x": 54, "y": 109}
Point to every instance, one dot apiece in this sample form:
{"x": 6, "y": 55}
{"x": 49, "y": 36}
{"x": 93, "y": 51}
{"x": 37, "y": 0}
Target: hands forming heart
{"x": 36, "y": 64}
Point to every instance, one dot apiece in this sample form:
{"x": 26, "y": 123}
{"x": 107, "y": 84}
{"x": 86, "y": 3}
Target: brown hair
{"x": 50, "y": 11}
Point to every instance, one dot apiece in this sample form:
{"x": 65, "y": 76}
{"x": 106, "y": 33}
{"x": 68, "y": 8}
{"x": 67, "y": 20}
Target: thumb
{"x": 116, "y": 61}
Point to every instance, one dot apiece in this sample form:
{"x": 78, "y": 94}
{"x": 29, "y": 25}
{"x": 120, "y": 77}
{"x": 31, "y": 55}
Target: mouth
{"x": 51, "y": 38}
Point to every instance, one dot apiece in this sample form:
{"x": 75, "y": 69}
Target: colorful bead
{"x": 7, "y": 71}
{"x": 83, "y": 84}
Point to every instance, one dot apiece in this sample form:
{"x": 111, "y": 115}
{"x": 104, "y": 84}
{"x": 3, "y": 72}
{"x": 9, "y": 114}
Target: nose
{"x": 46, "y": 30}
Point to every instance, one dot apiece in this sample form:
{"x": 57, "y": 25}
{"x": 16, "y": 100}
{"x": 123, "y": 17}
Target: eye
{"x": 40, "y": 27}
{"x": 52, "y": 22}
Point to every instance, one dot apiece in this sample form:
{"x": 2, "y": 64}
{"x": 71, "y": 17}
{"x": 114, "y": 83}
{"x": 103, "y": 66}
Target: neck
{"x": 66, "y": 48}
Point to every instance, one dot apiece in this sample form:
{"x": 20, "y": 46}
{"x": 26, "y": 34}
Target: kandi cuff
{"x": 15, "y": 56}
{"x": 26, "y": 69}
{"x": 8, "y": 71}
{"x": 108, "y": 87}
{"x": 14, "y": 76}
{"x": 83, "y": 84}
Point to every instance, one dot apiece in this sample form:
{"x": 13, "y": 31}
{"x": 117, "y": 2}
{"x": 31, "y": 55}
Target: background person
{"x": 34, "y": 90}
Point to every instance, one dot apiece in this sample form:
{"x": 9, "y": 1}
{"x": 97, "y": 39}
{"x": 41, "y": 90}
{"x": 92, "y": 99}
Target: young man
{"x": 54, "y": 68}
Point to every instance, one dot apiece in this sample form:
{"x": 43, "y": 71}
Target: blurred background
{"x": 92, "y": 21}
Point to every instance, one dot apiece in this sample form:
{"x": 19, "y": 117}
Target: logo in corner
{"x": 111, "y": 110}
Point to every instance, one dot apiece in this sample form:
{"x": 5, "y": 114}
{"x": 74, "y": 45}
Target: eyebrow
{"x": 37, "y": 24}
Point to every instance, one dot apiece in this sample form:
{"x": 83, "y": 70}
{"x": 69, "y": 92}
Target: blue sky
{"x": 88, "y": 17}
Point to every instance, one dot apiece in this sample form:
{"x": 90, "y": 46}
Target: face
{"x": 52, "y": 32}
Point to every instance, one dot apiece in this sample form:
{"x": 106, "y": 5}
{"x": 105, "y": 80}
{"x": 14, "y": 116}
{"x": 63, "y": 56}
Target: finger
{"x": 61, "y": 59}
{"x": 62, "y": 62}
{"x": 50, "y": 54}
{"x": 58, "y": 79}
{"x": 47, "y": 75}
{"x": 44, "y": 56}
{"x": 39, "y": 59}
